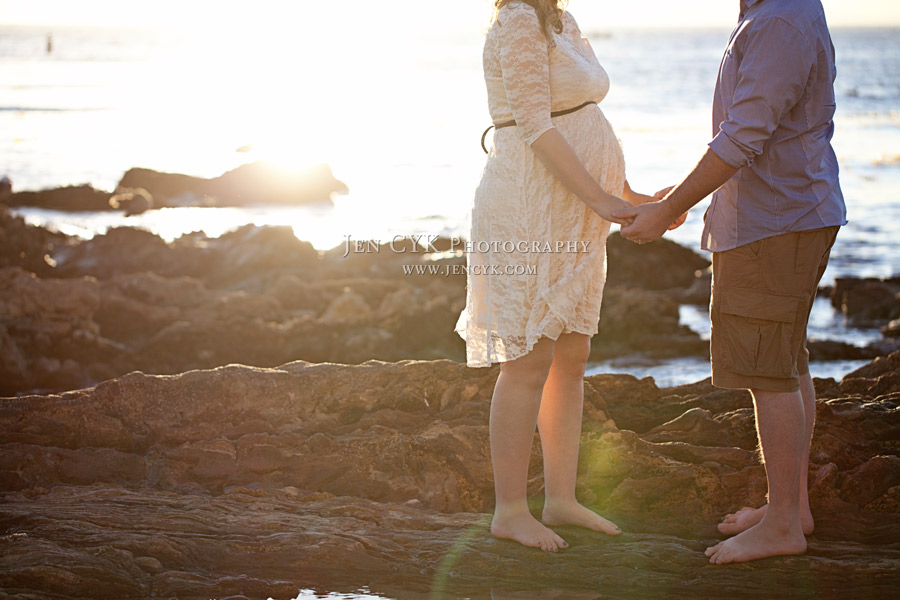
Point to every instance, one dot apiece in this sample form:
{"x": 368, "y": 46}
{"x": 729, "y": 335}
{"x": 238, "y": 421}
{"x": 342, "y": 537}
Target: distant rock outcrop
{"x": 867, "y": 301}
{"x": 73, "y": 197}
{"x": 252, "y": 183}
{"x": 144, "y": 189}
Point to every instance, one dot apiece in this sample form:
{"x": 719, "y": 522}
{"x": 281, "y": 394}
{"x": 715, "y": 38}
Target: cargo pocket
{"x": 754, "y": 331}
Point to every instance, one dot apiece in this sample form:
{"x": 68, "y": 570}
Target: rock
{"x": 883, "y": 365}
{"x": 892, "y": 329}
{"x": 47, "y": 333}
{"x": 634, "y": 319}
{"x": 659, "y": 265}
{"x": 242, "y": 481}
{"x": 700, "y": 291}
{"x": 188, "y": 304}
{"x": 164, "y": 187}
{"x": 135, "y": 307}
{"x": 867, "y": 301}
{"x": 123, "y": 250}
{"x": 26, "y": 246}
{"x": 822, "y": 350}
{"x": 14, "y": 370}
{"x": 250, "y": 257}
{"x": 133, "y": 201}
{"x": 73, "y": 197}
{"x": 263, "y": 182}
{"x": 349, "y": 307}
{"x": 252, "y": 183}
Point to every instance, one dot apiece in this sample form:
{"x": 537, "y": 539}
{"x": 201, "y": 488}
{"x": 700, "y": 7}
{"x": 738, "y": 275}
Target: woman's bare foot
{"x": 759, "y": 541}
{"x": 522, "y": 527}
{"x": 573, "y": 513}
{"x": 748, "y": 516}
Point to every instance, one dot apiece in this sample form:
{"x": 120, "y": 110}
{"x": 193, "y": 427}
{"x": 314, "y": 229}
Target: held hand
{"x": 617, "y": 217}
{"x": 663, "y": 192}
{"x": 648, "y": 222}
{"x": 634, "y": 198}
{"x": 608, "y": 207}
{"x": 637, "y": 199}
{"x": 678, "y": 222}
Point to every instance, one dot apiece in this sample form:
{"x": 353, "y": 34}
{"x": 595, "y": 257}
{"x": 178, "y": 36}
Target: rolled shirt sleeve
{"x": 775, "y": 63}
{"x": 525, "y": 67}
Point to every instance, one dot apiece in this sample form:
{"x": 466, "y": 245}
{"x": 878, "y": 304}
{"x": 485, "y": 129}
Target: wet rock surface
{"x": 252, "y": 482}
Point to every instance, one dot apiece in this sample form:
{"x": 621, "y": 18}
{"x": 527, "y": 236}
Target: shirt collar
{"x": 747, "y": 4}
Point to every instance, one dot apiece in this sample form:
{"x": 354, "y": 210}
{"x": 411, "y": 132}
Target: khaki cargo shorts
{"x": 762, "y": 294}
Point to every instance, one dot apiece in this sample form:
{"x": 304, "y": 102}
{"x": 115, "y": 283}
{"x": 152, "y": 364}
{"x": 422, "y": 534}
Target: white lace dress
{"x": 518, "y": 292}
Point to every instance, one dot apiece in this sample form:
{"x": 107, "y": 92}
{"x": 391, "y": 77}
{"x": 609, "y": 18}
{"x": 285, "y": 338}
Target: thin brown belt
{"x": 557, "y": 113}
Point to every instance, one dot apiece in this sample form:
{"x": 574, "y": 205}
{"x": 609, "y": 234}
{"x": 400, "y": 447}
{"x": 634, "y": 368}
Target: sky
{"x": 594, "y": 14}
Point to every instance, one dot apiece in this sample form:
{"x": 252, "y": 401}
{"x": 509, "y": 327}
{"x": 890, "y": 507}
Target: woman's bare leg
{"x": 514, "y": 411}
{"x": 559, "y": 422}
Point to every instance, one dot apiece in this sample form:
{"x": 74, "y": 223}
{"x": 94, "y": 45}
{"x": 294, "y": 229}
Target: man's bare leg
{"x": 780, "y": 420}
{"x": 514, "y": 410}
{"x": 559, "y": 422}
{"x": 748, "y": 516}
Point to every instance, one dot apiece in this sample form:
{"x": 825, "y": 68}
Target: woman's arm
{"x": 524, "y": 62}
{"x": 560, "y": 159}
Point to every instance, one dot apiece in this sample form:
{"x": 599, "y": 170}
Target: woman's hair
{"x": 549, "y": 13}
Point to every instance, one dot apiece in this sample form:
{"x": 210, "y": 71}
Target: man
{"x": 771, "y": 223}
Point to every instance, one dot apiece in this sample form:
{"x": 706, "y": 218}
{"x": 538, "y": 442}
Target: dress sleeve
{"x": 525, "y": 67}
{"x": 581, "y": 40}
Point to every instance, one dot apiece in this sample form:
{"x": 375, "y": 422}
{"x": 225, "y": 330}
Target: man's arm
{"x": 650, "y": 221}
{"x": 774, "y": 69}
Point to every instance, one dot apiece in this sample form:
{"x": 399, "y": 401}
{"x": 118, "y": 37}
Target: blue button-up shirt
{"x": 772, "y": 119}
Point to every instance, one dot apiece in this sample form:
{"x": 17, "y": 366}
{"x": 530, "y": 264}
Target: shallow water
{"x": 108, "y": 99}
{"x": 824, "y": 324}
{"x": 360, "y": 594}
{"x": 679, "y": 371}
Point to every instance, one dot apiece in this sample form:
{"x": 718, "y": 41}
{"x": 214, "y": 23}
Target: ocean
{"x": 400, "y": 124}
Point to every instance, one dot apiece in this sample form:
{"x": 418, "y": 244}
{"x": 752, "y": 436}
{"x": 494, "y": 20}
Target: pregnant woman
{"x": 537, "y": 255}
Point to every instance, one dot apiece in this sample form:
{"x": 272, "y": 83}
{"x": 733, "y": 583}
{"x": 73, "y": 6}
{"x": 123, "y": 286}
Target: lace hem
{"x": 552, "y": 315}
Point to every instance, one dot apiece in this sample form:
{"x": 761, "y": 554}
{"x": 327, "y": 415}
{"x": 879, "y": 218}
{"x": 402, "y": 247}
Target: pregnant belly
{"x": 594, "y": 141}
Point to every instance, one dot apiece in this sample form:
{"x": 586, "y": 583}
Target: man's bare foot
{"x": 760, "y": 541}
{"x": 525, "y": 529}
{"x": 573, "y": 513}
{"x": 748, "y": 516}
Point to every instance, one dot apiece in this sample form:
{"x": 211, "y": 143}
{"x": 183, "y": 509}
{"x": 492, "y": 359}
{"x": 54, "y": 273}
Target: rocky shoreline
{"x": 245, "y": 482}
{"x": 77, "y": 312}
{"x": 246, "y": 417}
